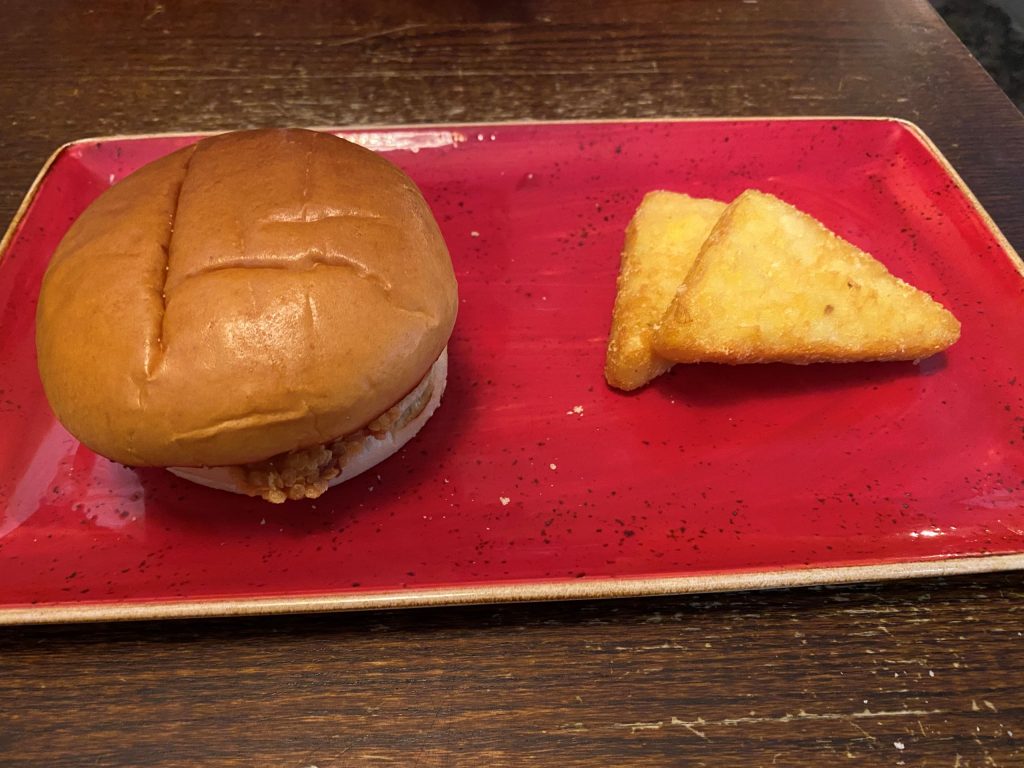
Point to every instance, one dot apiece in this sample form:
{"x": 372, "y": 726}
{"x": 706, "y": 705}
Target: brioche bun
{"x": 252, "y": 294}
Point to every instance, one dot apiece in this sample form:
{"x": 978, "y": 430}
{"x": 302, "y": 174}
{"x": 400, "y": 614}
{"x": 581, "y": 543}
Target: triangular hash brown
{"x": 662, "y": 242}
{"x": 771, "y": 284}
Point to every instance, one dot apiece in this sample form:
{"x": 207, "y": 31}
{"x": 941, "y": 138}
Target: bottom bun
{"x": 367, "y": 452}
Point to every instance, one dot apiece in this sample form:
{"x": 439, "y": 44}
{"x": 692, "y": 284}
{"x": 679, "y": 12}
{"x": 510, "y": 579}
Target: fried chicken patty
{"x": 304, "y": 473}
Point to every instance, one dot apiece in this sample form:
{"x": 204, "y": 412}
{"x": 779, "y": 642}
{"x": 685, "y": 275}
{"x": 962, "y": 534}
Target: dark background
{"x": 993, "y": 31}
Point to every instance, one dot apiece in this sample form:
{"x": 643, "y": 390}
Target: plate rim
{"x": 912, "y": 127}
{"x": 495, "y": 594}
{"x": 541, "y": 590}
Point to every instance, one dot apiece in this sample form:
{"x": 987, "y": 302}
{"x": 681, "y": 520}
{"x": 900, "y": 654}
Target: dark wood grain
{"x": 926, "y": 673}
{"x": 70, "y": 70}
{"x": 918, "y": 673}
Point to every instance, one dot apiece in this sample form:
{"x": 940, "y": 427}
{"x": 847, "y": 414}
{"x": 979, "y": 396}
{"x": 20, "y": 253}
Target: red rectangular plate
{"x": 535, "y": 480}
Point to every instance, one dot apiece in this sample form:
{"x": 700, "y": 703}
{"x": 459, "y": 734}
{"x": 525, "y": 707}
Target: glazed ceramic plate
{"x": 535, "y": 480}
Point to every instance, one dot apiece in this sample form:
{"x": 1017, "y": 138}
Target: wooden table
{"x": 916, "y": 673}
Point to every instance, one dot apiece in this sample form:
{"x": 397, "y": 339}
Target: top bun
{"x": 248, "y": 295}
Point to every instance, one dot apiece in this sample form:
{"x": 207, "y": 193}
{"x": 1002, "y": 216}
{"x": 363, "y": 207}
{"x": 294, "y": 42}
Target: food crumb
{"x": 263, "y": 521}
{"x": 505, "y": 500}
{"x": 553, "y": 466}
{"x": 899, "y": 745}
{"x": 474, "y": 233}
{"x": 576, "y": 409}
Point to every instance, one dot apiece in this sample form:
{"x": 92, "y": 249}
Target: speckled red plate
{"x": 534, "y": 480}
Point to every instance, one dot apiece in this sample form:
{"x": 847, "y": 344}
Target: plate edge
{"x": 480, "y": 123}
{"x": 502, "y": 594}
{"x": 30, "y": 196}
{"x": 917, "y": 132}
{"x": 914, "y": 129}
{"x": 30, "y": 193}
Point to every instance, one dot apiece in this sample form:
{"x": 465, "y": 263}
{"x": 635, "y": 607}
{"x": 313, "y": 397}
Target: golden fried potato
{"x": 662, "y": 242}
{"x": 771, "y": 284}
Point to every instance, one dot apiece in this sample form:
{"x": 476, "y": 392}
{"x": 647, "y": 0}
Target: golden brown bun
{"x": 251, "y": 294}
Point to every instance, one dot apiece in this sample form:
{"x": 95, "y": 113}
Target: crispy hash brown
{"x": 662, "y": 242}
{"x": 771, "y": 284}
